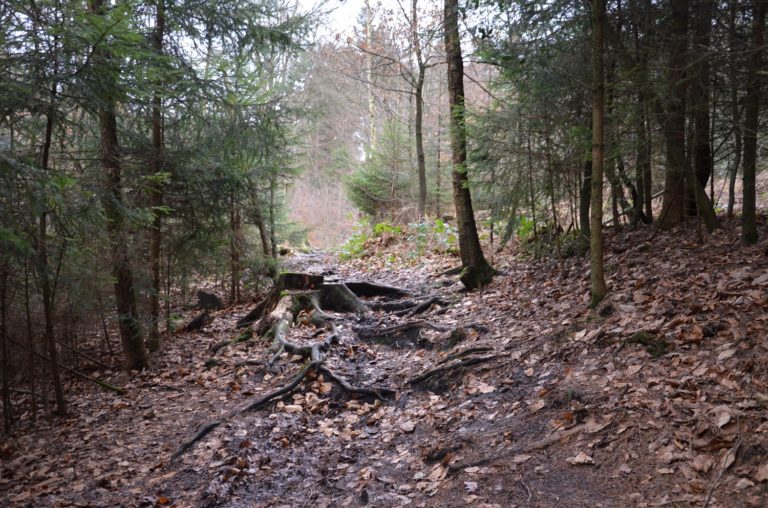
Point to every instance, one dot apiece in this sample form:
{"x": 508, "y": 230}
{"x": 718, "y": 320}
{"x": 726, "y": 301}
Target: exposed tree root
{"x": 537, "y": 445}
{"x": 466, "y": 362}
{"x": 282, "y": 314}
{"x": 422, "y": 307}
{"x": 465, "y": 352}
{"x": 379, "y": 392}
{"x": 304, "y": 299}
{"x": 204, "y": 430}
{"x": 370, "y": 289}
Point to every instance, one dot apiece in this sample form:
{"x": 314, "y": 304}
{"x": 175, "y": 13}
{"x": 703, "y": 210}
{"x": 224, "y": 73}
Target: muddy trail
{"x": 516, "y": 395}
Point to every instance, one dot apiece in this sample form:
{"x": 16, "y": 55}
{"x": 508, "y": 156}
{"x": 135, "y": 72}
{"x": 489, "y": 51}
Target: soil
{"x": 658, "y": 397}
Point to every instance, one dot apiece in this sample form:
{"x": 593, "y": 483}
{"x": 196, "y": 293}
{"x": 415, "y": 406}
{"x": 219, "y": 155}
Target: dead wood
{"x": 243, "y": 337}
{"x": 83, "y": 355}
{"x": 86, "y": 377}
{"x": 371, "y": 289}
{"x": 203, "y": 319}
{"x": 338, "y": 297}
{"x": 208, "y": 301}
{"x": 299, "y": 281}
{"x": 286, "y": 281}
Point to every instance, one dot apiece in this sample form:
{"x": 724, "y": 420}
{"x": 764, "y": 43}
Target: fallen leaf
{"x": 762, "y": 473}
{"x": 470, "y": 486}
{"x": 407, "y": 426}
{"x": 580, "y": 459}
{"x": 703, "y": 463}
{"x": 726, "y": 354}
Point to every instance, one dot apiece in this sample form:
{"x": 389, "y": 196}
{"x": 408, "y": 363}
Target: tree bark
{"x": 733, "y": 170}
{"x": 154, "y": 342}
{"x": 751, "y": 123}
{"x": 476, "y": 270}
{"x": 44, "y": 271}
{"x": 235, "y": 250}
{"x": 418, "y": 124}
{"x": 597, "y": 277}
{"x": 5, "y": 361}
{"x": 701, "y": 95}
{"x": 131, "y": 334}
{"x": 674, "y": 121}
{"x": 585, "y": 199}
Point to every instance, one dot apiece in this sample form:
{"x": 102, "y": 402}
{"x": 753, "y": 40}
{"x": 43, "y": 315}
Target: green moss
{"x": 246, "y": 335}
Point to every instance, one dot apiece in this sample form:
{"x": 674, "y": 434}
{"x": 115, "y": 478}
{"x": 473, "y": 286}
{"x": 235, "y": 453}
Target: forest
{"x": 456, "y": 253}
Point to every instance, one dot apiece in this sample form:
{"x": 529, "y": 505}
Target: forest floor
{"x": 659, "y": 397}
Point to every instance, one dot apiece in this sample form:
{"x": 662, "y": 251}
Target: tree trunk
{"x": 156, "y": 198}
{"x": 584, "y": 199}
{"x": 735, "y": 115}
{"x": 235, "y": 251}
{"x": 674, "y": 121}
{"x": 751, "y": 123}
{"x": 31, "y": 363}
{"x": 476, "y": 270}
{"x": 272, "y": 218}
{"x": 597, "y": 277}
{"x": 131, "y": 333}
{"x": 438, "y": 166}
{"x": 5, "y": 361}
{"x": 643, "y": 160}
{"x": 45, "y": 274}
{"x": 369, "y": 80}
{"x": 418, "y": 124}
{"x": 258, "y": 218}
{"x": 701, "y": 94}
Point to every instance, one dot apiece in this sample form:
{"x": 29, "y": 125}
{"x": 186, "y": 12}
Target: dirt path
{"x": 577, "y": 407}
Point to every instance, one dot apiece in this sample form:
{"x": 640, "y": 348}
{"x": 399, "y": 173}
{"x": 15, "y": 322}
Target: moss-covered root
{"x": 477, "y": 276}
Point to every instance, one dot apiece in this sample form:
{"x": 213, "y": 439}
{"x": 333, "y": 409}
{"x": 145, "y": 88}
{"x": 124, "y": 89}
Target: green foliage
{"x": 354, "y": 247}
{"x": 525, "y": 228}
{"x": 383, "y": 183}
{"x": 383, "y": 228}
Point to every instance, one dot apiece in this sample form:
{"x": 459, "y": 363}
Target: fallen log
{"x": 199, "y": 322}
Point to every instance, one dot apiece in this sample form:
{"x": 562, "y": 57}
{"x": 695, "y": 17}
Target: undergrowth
{"x": 416, "y": 239}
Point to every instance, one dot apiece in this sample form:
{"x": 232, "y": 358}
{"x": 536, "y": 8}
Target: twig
{"x": 530, "y": 494}
{"x": 103, "y": 384}
{"x": 723, "y": 467}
